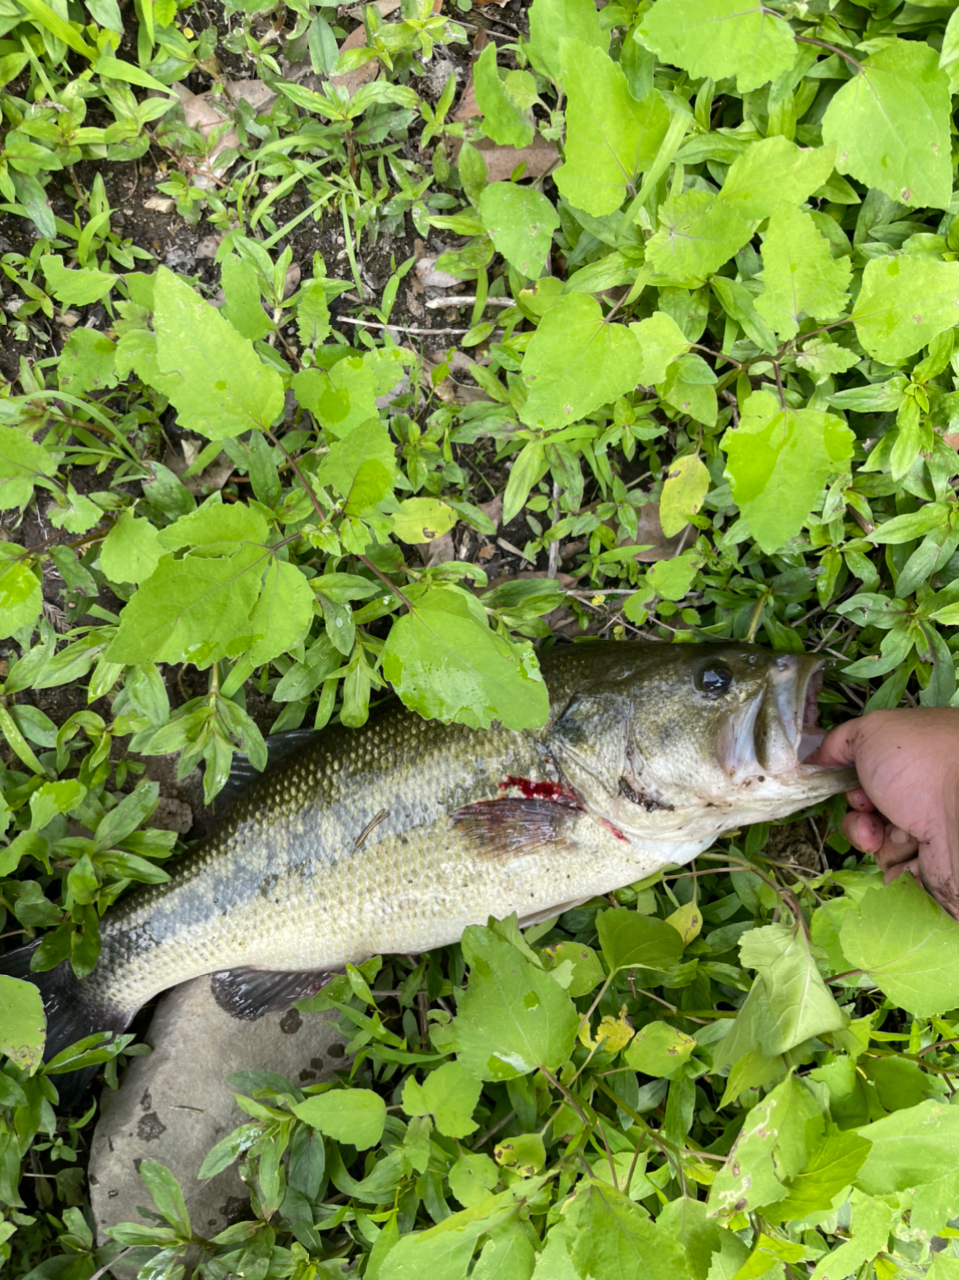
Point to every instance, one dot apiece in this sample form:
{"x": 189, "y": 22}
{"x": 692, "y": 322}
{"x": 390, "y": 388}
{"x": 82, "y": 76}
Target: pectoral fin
{"x": 511, "y": 828}
{"x": 250, "y": 993}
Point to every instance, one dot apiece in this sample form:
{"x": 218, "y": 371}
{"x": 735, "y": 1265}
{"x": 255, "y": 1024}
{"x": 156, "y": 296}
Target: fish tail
{"x": 73, "y": 1010}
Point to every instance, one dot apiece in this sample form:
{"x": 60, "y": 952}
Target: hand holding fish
{"x": 906, "y": 810}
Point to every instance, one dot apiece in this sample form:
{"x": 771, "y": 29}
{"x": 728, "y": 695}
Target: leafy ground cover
{"x": 428, "y": 335}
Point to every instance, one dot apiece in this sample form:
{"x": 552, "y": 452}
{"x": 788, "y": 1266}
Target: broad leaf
{"x": 576, "y": 362}
{"x": 520, "y": 222}
{"x": 513, "y": 1017}
{"x": 224, "y": 388}
{"x": 447, "y": 665}
{"x": 629, "y": 940}
{"x": 698, "y": 232}
{"x": 904, "y": 303}
{"x": 610, "y": 136}
{"x": 801, "y": 1003}
{"x": 685, "y": 487}
{"x": 774, "y": 172}
{"x": 800, "y": 276}
{"x": 22, "y": 1022}
{"x": 356, "y": 1116}
{"x": 616, "y": 1238}
{"x": 551, "y": 22}
{"x": 908, "y": 946}
{"x": 720, "y": 38}
{"x": 661, "y": 341}
{"x": 778, "y": 461}
{"x": 890, "y": 124}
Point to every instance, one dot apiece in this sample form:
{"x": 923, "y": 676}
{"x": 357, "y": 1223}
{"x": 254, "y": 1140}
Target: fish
{"x": 396, "y": 836}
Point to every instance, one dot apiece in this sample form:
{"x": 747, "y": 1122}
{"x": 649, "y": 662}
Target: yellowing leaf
{"x": 422, "y": 519}
{"x": 684, "y": 489}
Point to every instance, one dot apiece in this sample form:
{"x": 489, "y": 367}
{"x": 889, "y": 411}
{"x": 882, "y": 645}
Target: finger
{"x": 865, "y": 831}
{"x": 839, "y": 745}
{"x": 894, "y": 872}
{"x": 897, "y": 847}
{"x": 857, "y": 799}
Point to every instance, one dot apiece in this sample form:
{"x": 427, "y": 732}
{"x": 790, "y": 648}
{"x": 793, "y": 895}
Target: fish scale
{"x": 396, "y": 836}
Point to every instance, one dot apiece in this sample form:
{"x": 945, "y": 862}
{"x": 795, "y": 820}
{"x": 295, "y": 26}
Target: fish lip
{"x": 778, "y": 730}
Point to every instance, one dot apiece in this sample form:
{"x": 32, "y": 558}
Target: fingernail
{"x": 898, "y": 836}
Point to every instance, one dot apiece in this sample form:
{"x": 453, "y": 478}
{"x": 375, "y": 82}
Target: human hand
{"x": 906, "y": 810}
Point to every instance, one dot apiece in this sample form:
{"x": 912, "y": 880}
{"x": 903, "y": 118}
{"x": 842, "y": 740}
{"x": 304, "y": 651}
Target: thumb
{"x": 839, "y": 746}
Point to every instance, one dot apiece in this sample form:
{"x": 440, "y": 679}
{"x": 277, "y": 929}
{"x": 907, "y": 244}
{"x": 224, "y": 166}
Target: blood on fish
{"x": 554, "y": 791}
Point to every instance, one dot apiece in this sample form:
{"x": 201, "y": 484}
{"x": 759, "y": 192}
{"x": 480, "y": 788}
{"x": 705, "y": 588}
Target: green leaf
{"x": 698, "y": 232}
{"x": 661, "y": 341}
{"x": 243, "y": 306}
{"x": 367, "y": 442}
{"x": 350, "y": 1115}
{"x": 77, "y": 287}
{"x": 195, "y": 610}
{"x": 903, "y": 304}
{"x": 610, "y": 137}
{"x": 720, "y": 38}
{"x": 911, "y": 1147}
{"x": 520, "y": 222}
{"x": 615, "y": 1238}
{"x": 630, "y": 940}
{"x": 213, "y": 376}
{"x": 449, "y": 1094}
{"x": 799, "y": 1001}
{"x": 672, "y": 579}
{"x": 283, "y": 612}
{"x": 513, "y": 1017}
{"x": 342, "y": 398}
{"x": 446, "y": 664}
{"x": 659, "y": 1050}
{"x": 552, "y": 21}
{"x": 800, "y": 276}
{"x": 907, "y": 944}
{"x": 774, "y": 172}
{"x": 684, "y": 489}
{"x": 21, "y": 597}
{"x": 505, "y": 121}
{"x": 576, "y": 362}
{"x": 23, "y": 463}
{"x": 777, "y": 1138}
{"x": 131, "y": 550}
{"x": 830, "y": 1170}
{"x": 53, "y": 798}
{"x": 167, "y": 1196}
{"x": 87, "y": 362}
{"x": 778, "y": 461}
{"x": 22, "y": 1023}
{"x": 890, "y": 124}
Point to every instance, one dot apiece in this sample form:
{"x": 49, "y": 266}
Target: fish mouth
{"x": 777, "y": 731}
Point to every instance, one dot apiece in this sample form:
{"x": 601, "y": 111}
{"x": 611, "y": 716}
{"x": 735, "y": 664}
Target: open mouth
{"x": 778, "y": 731}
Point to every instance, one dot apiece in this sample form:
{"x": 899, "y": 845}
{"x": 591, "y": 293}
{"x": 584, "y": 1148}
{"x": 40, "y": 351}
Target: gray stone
{"x": 174, "y": 1105}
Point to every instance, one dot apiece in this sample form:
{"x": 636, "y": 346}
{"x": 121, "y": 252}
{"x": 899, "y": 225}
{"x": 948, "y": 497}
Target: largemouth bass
{"x": 396, "y": 836}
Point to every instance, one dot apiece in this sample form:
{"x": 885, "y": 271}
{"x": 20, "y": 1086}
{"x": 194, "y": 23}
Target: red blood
{"x": 554, "y": 791}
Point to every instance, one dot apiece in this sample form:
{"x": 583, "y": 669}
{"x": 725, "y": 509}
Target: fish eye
{"x": 713, "y": 679}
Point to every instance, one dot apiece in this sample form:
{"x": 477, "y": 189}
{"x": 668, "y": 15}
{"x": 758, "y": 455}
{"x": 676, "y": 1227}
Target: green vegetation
{"x": 722, "y": 312}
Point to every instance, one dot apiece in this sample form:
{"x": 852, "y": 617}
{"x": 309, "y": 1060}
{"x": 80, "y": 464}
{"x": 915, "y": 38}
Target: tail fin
{"x": 73, "y": 1013}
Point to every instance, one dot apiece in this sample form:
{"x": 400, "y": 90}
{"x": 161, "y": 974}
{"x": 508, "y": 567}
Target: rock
{"x": 174, "y": 1105}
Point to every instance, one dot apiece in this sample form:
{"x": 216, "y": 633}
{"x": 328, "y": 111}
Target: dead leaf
{"x": 208, "y": 111}
{"x": 493, "y": 510}
{"x": 359, "y": 76}
{"x": 439, "y": 551}
{"x": 539, "y": 157}
{"x": 951, "y": 438}
{"x": 651, "y": 535}
{"x": 160, "y": 204}
{"x": 430, "y": 278}
{"x": 210, "y": 478}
